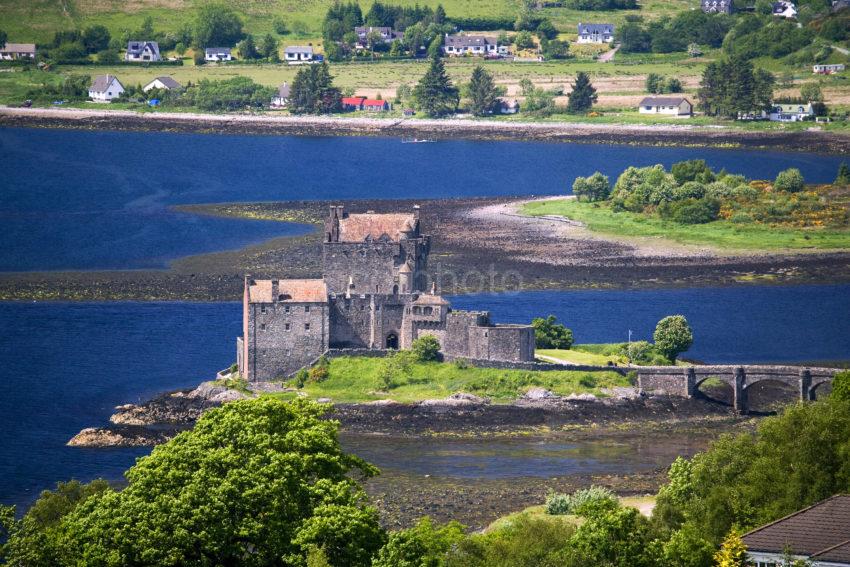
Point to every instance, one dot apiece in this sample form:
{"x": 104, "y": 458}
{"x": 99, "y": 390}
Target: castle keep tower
{"x": 372, "y": 297}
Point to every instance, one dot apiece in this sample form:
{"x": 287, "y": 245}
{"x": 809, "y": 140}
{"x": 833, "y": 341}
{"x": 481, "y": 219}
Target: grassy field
{"x": 719, "y": 234}
{"x": 599, "y": 355}
{"x": 356, "y": 379}
{"x": 643, "y": 503}
{"x": 37, "y": 20}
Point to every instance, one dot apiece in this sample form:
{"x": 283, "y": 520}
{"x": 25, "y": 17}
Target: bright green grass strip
{"x": 721, "y": 234}
{"x": 577, "y": 355}
{"x": 355, "y": 379}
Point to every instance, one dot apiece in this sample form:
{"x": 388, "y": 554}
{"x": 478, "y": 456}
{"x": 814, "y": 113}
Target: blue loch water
{"x": 64, "y": 366}
{"x": 101, "y": 200}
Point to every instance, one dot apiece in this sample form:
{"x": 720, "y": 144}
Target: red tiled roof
{"x": 357, "y": 227}
{"x": 289, "y": 291}
{"x": 811, "y": 531}
{"x": 353, "y": 100}
{"x": 374, "y": 102}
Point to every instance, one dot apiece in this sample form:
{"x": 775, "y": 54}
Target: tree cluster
{"x": 658, "y": 84}
{"x": 237, "y": 93}
{"x": 313, "y": 92}
{"x": 667, "y": 35}
{"x": 548, "y": 333}
{"x": 731, "y": 87}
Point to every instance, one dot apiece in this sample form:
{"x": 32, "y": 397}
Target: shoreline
{"x": 652, "y": 135}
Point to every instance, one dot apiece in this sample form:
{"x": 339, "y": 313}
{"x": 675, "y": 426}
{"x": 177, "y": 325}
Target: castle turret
{"x": 405, "y": 278}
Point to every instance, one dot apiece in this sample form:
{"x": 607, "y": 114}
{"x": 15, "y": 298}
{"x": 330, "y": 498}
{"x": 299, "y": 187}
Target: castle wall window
{"x": 306, "y": 309}
{"x": 262, "y": 326}
{"x": 306, "y": 326}
{"x": 428, "y": 310}
{"x": 262, "y": 308}
{"x": 286, "y": 327}
{"x": 286, "y": 309}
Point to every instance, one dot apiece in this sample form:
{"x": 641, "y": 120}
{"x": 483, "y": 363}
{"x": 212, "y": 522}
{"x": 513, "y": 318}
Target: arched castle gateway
{"x": 372, "y": 296}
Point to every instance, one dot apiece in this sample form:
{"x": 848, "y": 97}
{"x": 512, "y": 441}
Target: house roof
{"x": 283, "y": 90}
{"x": 168, "y": 82}
{"x": 469, "y": 40}
{"x": 102, "y": 82}
{"x": 663, "y": 101}
{"x": 288, "y": 291}
{"x": 353, "y": 100}
{"x": 137, "y": 47}
{"x": 299, "y": 49}
{"x": 374, "y": 102}
{"x": 383, "y": 30}
{"x": 793, "y": 107}
{"x": 595, "y": 28}
{"x": 823, "y": 528}
{"x": 838, "y": 554}
{"x": 18, "y": 48}
{"x": 217, "y": 50}
{"x": 430, "y": 299}
{"x": 362, "y": 226}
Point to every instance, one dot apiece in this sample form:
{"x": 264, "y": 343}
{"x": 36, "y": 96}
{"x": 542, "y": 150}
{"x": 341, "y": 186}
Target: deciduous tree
{"x": 593, "y": 188}
{"x": 217, "y": 25}
{"x": 548, "y": 333}
{"x": 673, "y": 336}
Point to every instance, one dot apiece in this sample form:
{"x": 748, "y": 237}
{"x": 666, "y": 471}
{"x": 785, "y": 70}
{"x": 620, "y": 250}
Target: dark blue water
{"x": 90, "y": 200}
{"x": 64, "y": 366}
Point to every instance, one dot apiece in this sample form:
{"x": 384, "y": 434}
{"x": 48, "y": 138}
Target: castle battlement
{"x": 371, "y": 296}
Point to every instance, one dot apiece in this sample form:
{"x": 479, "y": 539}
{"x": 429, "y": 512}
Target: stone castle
{"x": 372, "y": 296}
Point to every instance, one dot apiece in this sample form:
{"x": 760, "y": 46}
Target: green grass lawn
{"x": 720, "y": 234}
{"x": 643, "y": 503}
{"x": 586, "y": 354}
{"x": 355, "y": 379}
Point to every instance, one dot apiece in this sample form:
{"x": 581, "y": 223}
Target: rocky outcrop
{"x": 107, "y": 437}
{"x": 456, "y": 400}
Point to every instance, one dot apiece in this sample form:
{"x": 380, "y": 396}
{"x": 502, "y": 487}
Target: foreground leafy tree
{"x": 434, "y": 93}
{"x": 548, "y": 333}
{"x": 841, "y": 387}
{"x": 673, "y": 336}
{"x": 593, "y": 188}
{"x": 259, "y": 482}
{"x": 483, "y": 93}
{"x": 426, "y": 348}
{"x": 423, "y": 545}
{"x": 583, "y": 95}
{"x": 733, "y": 552}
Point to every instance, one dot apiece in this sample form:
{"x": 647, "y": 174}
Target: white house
{"x": 388, "y": 35}
{"x": 17, "y": 51}
{"x": 218, "y": 54}
{"x": 298, "y": 54}
{"x": 479, "y": 45}
{"x": 819, "y": 534}
{"x": 508, "y": 106}
{"x": 791, "y": 112}
{"x": 784, "y": 9}
{"x": 595, "y": 33}
{"x": 162, "y": 83}
{"x": 667, "y": 105}
{"x": 828, "y": 69}
{"x": 105, "y": 88}
{"x": 716, "y": 6}
{"x": 142, "y": 51}
{"x": 281, "y": 99}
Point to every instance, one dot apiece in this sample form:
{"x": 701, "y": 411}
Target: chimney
{"x": 350, "y": 287}
{"x": 275, "y": 290}
{"x": 434, "y": 288}
{"x": 416, "y": 212}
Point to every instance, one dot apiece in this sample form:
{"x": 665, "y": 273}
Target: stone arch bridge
{"x": 685, "y": 380}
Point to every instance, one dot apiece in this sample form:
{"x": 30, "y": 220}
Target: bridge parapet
{"x": 685, "y": 380}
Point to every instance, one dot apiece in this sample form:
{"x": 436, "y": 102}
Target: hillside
{"x": 37, "y": 20}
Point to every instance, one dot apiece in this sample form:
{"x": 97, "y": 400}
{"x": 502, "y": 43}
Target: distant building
{"x": 298, "y": 54}
{"x": 218, "y": 54}
{"x": 462, "y": 44}
{"x": 388, "y": 35}
{"x": 163, "y": 83}
{"x": 791, "y": 112}
{"x": 784, "y": 9}
{"x": 374, "y": 105}
{"x": 508, "y": 106}
{"x": 281, "y": 99}
{"x": 819, "y": 534}
{"x": 716, "y": 6}
{"x": 840, "y": 5}
{"x": 595, "y": 33}
{"x": 105, "y": 88}
{"x": 828, "y": 69}
{"x": 668, "y": 105}
{"x": 142, "y": 52}
{"x": 372, "y": 296}
{"x": 12, "y": 51}
{"x": 352, "y": 102}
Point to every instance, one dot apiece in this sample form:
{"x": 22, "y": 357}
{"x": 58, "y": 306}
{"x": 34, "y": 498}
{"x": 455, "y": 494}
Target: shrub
{"x": 419, "y": 546}
{"x": 790, "y": 180}
{"x": 461, "y": 363}
{"x": 691, "y": 211}
{"x": 673, "y": 336}
{"x": 841, "y": 386}
{"x": 692, "y": 170}
{"x": 593, "y": 188}
{"x": 426, "y": 348}
{"x": 584, "y": 502}
{"x": 689, "y": 190}
{"x": 320, "y": 371}
{"x": 301, "y": 378}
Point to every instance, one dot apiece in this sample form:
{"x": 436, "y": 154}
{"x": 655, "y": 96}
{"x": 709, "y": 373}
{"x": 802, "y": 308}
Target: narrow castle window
{"x": 306, "y": 326}
{"x": 286, "y": 327}
{"x": 286, "y": 309}
{"x": 428, "y": 310}
{"x": 262, "y": 308}
{"x": 262, "y": 326}
{"x": 306, "y": 309}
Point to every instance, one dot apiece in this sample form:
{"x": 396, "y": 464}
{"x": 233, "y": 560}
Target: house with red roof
{"x": 352, "y": 102}
{"x": 375, "y": 105}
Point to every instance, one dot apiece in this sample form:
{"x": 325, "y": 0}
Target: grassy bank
{"x": 720, "y": 234}
{"x": 644, "y": 504}
{"x": 357, "y": 379}
{"x": 593, "y": 354}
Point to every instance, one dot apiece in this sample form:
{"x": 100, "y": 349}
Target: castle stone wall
{"x": 283, "y": 337}
{"x": 373, "y": 266}
{"x": 456, "y": 342}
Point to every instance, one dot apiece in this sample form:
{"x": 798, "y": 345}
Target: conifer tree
{"x": 313, "y": 91}
{"x": 583, "y": 95}
{"x": 434, "y": 94}
{"x": 482, "y": 92}
{"x": 439, "y": 15}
